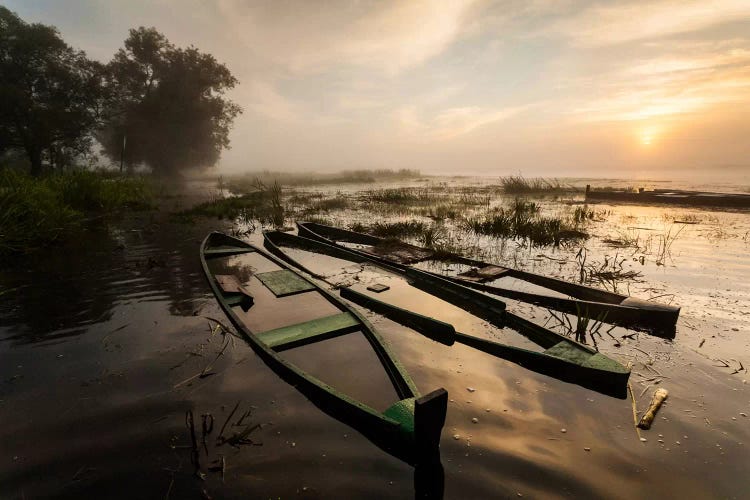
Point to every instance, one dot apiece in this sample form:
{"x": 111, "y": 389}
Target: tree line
{"x": 153, "y": 104}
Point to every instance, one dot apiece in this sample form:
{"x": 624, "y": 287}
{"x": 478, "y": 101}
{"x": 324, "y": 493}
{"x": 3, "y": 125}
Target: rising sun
{"x": 647, "y": 136}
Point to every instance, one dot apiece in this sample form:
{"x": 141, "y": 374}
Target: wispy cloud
{"x": 694, "y": 77}
{"x": 310, "y": 36}
{"x": 625, "y": 22}
{"x": 452, "y": 122}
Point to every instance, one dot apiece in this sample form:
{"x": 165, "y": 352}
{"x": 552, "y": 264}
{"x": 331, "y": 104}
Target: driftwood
{"x": 659, "y": 396}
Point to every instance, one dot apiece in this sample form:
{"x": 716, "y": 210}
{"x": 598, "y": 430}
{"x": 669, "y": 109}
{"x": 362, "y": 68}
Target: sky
{"x": 537, "y": 87}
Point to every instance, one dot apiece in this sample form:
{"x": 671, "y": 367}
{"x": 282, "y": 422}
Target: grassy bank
{"x": 36, "y": 212}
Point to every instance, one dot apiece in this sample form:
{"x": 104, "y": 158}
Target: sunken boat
{"x": 553, "y": 293}
{"x": 277, "y": 310}
{"x": 548, "y": 352}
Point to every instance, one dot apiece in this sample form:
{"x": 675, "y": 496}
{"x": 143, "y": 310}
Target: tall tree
{"x": 168, "y": 107}
{"x": 50, "y": 94}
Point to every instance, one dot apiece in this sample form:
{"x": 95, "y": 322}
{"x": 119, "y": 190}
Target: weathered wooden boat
{"x": 580, "y": 300}
{"x": 670, "y": 197}
{"x": 561, "y": 357}
{"x": 266, "y": 291}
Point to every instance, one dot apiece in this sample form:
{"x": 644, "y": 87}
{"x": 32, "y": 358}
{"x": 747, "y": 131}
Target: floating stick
{"x": 659, "y": 396}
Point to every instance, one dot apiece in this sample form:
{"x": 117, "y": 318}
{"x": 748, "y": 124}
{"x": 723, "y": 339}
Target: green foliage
{"x": 38, "y": 212}
{"x": 50, "y": 94}
{"x": 167, "y": 105}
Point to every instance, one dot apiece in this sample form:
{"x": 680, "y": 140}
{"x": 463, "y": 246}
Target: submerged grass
{"x": 37, "y": 212}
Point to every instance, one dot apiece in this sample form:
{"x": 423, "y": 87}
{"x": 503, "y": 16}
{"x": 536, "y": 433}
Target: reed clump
{"x": 518, "y": 185}
{"x": 263, "y": 204}
{"x": 522, "y": 219}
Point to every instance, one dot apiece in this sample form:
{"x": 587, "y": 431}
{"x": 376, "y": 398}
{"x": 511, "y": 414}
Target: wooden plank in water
{"x": 486, "y": 273}
{"x": 285, "y": 282}
{"x": 310, "y": 331}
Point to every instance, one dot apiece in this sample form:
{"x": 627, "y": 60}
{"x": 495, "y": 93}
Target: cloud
{"x": 626, "y": 22}
{"x": 451, "y": 122}
{"x": 305, "y": 36}
{"x": 263, "y": 98}
{"x": 693, "y": 77}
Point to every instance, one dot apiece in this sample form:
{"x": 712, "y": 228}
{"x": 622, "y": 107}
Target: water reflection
{"x": 58, "y": 294}
{"x": 79, "y": 419}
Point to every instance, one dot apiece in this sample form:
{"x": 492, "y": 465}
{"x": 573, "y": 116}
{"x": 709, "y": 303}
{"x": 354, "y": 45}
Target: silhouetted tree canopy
{"x": 50, "y": 94}
{"x": 168, "y": 105}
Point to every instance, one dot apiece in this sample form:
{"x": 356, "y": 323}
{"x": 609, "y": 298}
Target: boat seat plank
{"x": 569, "y": 352}
{"x": 601, "y": 362}
{"x": 223, "y": 250}
{"x": 284, "y": 282}
{"x": 310, "y": 331}
{"x": 229, "y": 283}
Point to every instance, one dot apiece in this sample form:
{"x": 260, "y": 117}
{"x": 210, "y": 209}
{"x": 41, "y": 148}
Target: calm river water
{"x": 101, "y": 342}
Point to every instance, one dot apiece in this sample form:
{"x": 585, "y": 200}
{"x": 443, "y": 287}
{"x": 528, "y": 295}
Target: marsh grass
{"x": 400, "y": 229}
{"x": 264, "y": 204}
{"x": 36, "y": 212}
{"x": 666, "y": 240}
{"x": 523, "y": 220}
{"x": 326, "y": 205}
{"x": 404, "y": 196}
{"x": 583, "y": 214}
{"x": 518, "y": 185}
{"x": 610, "y": 273}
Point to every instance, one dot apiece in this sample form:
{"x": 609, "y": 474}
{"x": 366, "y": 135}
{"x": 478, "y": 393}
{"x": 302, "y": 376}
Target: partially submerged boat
{"x": 556, "y": 355}
{"x": 571, "y": 298}
{"x": 277, "y": 310}
{"x": 669, "y": 197}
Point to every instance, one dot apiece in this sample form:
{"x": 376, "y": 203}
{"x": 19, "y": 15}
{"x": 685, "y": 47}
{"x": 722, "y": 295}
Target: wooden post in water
{"x": 122, "y": 150}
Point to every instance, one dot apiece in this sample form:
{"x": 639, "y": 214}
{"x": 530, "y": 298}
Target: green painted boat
{"x": 559, "y": 295}
{"x": 277, "y": 310}
{"x": 561, "y": 357}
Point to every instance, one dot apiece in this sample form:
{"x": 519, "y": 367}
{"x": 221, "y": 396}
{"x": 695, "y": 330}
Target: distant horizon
{"x": 722, "y": 171}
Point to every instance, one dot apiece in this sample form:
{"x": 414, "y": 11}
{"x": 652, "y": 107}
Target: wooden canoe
{"x": 304, "y": 313}
{"x": 561, "y": 357}
{"x": 584, "y": 301}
